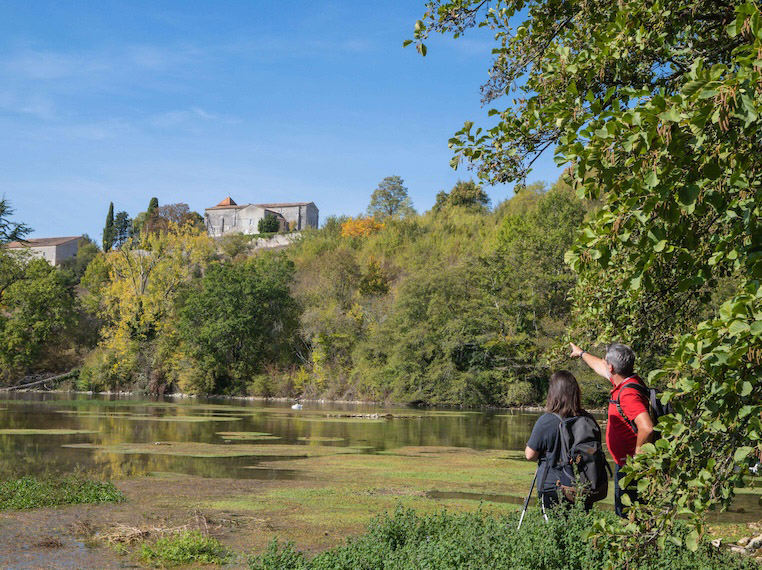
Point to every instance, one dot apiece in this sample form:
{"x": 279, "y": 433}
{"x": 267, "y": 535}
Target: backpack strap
{"x": 640, "y": 387}
{"x": 551, "y": 457}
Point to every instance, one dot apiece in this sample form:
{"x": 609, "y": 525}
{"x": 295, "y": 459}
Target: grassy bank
{"x": 315, "y": 501}
{"x": 445, "y": 541}
{"x": 53, "y": 491}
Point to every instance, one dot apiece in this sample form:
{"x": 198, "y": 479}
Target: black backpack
{"x": 655, "y": 408}
{"x": 578, "y": 454}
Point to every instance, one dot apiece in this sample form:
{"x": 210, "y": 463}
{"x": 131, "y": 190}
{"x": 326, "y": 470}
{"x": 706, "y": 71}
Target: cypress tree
{"x": 152, "y": 205}
{"x": 108, "y": 230}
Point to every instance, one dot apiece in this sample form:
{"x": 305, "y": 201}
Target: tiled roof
{"x": 236, "y": 207}
{"x": 41, "y": 242}
{"x": 227, "y": 202}
{"x": 239, "y": 206}
{"x": 284, "y": 205}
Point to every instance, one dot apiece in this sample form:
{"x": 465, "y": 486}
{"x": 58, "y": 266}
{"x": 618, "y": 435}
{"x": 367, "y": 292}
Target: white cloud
{"x": 36, "y": 105}
{"x": 49, "y": 65}
{"x": 183, "y": 116}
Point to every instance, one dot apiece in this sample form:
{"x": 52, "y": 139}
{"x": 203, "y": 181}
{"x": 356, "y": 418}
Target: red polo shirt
{"x": 620, "y": 439}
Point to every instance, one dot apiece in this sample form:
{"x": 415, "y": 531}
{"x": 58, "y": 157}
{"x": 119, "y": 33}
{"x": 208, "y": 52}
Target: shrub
{"x": 268, "y": 224}
{"x": 360, "y": 227}
{"x": 51, "y": 491}
{"x": 477, "y": 540}
{"x": 233, "y": 245}
{"x": 186, "y": 547}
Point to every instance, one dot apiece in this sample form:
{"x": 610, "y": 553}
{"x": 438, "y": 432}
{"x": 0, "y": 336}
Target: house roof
{"x": 227, "y": 202}
{"x": 41, "y": 242}
{"x": 284, "y": 204}
{"x": 222, "y": 206}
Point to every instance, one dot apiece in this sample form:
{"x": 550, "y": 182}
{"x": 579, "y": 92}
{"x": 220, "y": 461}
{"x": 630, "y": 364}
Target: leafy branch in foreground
{"x": 655, "y": 108}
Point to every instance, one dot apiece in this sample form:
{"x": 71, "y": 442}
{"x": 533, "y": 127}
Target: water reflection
{"x": 119, "y": 420}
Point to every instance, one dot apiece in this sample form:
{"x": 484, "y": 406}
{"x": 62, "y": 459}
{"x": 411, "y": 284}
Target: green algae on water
{"x": 46, "y": 431}
{"x": 193, "y": 449}
{"x": 146, "y": 418}
{"x": 246, "y": 435}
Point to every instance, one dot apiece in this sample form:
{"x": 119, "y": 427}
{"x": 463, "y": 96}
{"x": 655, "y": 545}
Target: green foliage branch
{"x": 10, "y": 231}
{"x": 655, "y": 107}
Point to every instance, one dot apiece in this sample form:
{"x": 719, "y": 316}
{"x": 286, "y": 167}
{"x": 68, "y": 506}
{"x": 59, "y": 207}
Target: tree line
{"x": 462, "y": 304}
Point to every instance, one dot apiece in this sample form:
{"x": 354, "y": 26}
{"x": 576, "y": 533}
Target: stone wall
{"x": 242, "y": 219}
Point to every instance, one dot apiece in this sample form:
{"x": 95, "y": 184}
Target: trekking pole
{"x": 529, "y": 496}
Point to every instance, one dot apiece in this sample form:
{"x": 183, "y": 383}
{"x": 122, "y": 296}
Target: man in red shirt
{"x": 624, "y": 437}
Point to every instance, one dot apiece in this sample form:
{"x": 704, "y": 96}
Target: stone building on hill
{"x": 227, "y": 217}
{"x": 54, "y": 250}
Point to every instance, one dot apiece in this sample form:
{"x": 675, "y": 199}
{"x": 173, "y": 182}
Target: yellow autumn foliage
{"x": 144, "y": 276}
{"x": 360, "y": 227}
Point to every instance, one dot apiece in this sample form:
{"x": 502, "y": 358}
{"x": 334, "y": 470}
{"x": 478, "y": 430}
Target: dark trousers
{"x": 618, "y": 492}
{"x": 551, "y": 499}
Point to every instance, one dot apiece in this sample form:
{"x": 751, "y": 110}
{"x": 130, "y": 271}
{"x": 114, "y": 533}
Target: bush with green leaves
{"x": 187, "y": 547}
{"x": 51, "y": 491}
{"x": 444, "y": 541}
{"x": 268, "y": 225}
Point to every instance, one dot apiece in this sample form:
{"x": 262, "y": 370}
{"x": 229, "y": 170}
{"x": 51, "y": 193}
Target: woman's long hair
{"x": 563, "y": 395}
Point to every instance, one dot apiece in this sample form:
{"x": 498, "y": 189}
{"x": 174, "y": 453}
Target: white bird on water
{"x": 296, "y": 406}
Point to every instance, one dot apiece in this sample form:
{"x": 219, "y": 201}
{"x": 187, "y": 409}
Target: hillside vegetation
{"x": 460, "y": 305}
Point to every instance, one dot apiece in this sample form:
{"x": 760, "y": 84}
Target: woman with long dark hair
{"x": 564, "y": 401}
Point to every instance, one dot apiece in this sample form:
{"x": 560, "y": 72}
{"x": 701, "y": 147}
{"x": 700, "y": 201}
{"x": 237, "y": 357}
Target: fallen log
{"x": 39, "y": 382}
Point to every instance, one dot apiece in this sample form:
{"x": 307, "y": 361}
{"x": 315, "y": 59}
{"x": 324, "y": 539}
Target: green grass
{"x": 446, "y": 541}
{"x": 46, "y": 431}
{"x": 187, "y": 547}
{"x": 52, "y": 491}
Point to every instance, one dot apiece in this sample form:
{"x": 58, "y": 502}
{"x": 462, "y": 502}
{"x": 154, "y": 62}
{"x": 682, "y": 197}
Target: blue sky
{"x": 194, "y": 101}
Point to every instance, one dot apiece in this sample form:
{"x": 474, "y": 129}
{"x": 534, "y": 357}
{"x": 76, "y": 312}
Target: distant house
{"x": 227, "y": 217}
{"x": 54, "y": 250}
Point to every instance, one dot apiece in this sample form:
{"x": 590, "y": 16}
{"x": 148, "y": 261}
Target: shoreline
{"x": 184, "y": 396}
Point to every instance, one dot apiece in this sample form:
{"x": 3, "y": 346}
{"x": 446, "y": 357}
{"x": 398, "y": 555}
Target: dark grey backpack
{"x": 578, "y": 455}
{"x": 655, "y": 408}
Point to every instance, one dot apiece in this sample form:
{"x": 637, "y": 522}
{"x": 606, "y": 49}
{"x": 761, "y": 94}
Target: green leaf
{"x": 692, "y": 86}
{"x": 742, "y": 453}
{"x": 738, "y": 327}
{"x": 687, "y": 195}
{"x": 672, "y": 116}
{"x": 692, "y": 540}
